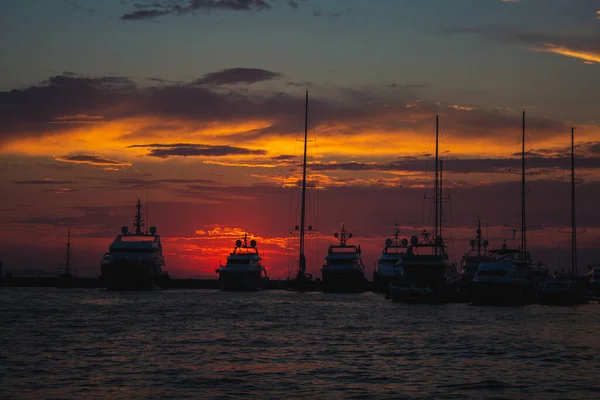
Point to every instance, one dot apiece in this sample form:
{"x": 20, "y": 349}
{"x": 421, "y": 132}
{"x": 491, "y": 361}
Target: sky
{"x": 196, "y": 107}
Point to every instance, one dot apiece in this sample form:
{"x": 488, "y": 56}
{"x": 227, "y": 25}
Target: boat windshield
{"x": 343, "y": 261}
{"x": 137, "y": 238}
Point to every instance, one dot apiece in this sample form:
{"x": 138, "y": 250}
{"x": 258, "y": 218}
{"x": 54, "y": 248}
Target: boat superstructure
{"x": 472, "y": 259}
{"x": 389, "y": 263}
{"x": 243, "y": 270}
{"x": 427, "y": 275}
{"x": 343, "y": 271}
{"x": 134, "y": 261}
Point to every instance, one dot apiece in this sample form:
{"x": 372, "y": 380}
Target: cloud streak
{"x": 233, "y": 76}
{"x": 157, "y": 8}
{"x": 582, "y": 47}
{"x": 191, "y": 150}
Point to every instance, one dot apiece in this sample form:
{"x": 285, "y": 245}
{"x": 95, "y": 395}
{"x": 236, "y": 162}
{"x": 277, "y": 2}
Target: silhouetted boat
{"x": 303, "y": 282}
{"x": 65, "y": 277}
{"x": 243, "y": 270}
{"x": 593, "y": 279}
{"x": 470, "y": 262}
{"x": 567, "y": 289}
{"x": 563, "y": 290}
{"x": 389, "y": 263}
{"x": 134, "y": 261}
{"x": 343, "y": 271}
{"x": 427, "y": 276}
{"x": 509, "y": 280}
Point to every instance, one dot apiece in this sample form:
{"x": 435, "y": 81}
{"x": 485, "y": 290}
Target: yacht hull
{"x": 241, "y": 281}
{"x": 403, "y": 294}
{"x": 501, "y": 293}
{"x": 337, "y": 280}
{"x": 381, "y": 283}
{"x": 567, "y": 298}
{"x": 128, "y": 276}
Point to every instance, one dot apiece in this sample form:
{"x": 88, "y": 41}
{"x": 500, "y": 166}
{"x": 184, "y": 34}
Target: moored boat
{"x": 427, "y": 274}
{"x": 135, "y": 260}
{"x": 343, "y": 271}
{"x": 389, "y": 263}
{"x": 470, "y": 262}
{"x": 243, "y": 270}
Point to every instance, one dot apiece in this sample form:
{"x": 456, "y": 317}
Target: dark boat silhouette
{"x": 243, "y": 270}
{"x": 134, "y": 261}
{"x": 343, "y": 271}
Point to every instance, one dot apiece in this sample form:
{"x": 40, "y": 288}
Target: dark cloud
{"x": 35, "y": 111}
{"x": 158, "y": 8}
{"x": 91, "y": 160}
{"x": 191, "y": 150}
{"x": 465, "y": 166}
{"x": 137, "y": 183}
{"x": 232, "y": 76}
{"x": 43, "y": 182}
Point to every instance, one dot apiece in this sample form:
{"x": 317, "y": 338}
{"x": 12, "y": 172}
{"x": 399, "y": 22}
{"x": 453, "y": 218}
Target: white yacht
{"x": 134, "y": 261}
{"x": 508, "y": 280}
{"x": 389, "y": 263}
{"x": 343, "y": 271}
{"x": 243, "y": 270}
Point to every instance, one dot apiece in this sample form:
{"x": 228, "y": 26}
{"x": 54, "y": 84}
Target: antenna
{"x": 138, "y": 224}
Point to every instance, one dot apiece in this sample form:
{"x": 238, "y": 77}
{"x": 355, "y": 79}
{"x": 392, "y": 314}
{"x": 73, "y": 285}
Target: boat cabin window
{"x": 132, "y": 250}
{"x": 343, "y": 261}
{"x": 492, "y": 272}
{"x": 241, "y": 261}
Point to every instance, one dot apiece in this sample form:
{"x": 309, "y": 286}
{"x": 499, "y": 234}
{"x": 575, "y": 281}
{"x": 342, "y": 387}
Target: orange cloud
{"x": 588, "y": 56}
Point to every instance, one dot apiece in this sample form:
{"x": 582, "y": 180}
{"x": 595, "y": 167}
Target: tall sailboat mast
{"x": 68, "y": 258}
{"x": 436, "y": 188}
{"x": 523, "y": 193}
{"x": 441, "y": 202}
{"x": 573, "y": 223}
{"x": 302, "y": 258}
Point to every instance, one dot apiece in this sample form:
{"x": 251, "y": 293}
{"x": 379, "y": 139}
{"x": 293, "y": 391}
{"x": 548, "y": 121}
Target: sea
{"x": 205, "y": 344}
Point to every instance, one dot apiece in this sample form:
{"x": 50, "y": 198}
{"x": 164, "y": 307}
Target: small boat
{"x": 65, "y": 276}
{"x": 470, "y": 262}
{"x": 134, "y": 261}
{"x": 389, "y": 263}
{"x": 563, "y": 290}
{"x": 510, "y": 278}
{"x": 593, "y": 279}
{"x": 567, "y": 289}
{"x": 243, "y": 270}
{"x": 343, "y": 271}
{"x": 507, "y": 280}
{"x": 427, "y": 274}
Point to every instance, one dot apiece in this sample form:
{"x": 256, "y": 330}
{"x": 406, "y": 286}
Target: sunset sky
{"x": 197, "y": 108}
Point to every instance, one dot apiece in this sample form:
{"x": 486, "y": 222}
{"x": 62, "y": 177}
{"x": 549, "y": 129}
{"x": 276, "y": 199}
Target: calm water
{"x": 209, "y": 344}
